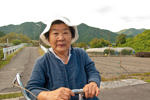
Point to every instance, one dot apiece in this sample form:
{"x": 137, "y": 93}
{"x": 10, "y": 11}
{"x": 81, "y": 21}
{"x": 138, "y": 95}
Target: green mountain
{"x": 140, "y": 42}
{"x": 2, "y": 34}
{"x": 33, "y": 30}
{"x": 131, "y": 31}
{"x": 87, "y": 33}
{"x": 30, "y": 29}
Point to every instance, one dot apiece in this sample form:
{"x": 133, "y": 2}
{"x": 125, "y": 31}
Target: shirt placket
{"x": 66, "y": 76}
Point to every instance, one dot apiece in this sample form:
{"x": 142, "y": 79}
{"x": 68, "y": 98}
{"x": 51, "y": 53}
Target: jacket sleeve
{"x": 91, "y": 71}
{"x": 37, "y": 80}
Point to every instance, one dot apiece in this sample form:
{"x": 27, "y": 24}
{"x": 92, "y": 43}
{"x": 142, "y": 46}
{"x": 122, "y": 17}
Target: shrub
{"x": 16, "y": 42}
{"x": 107, "y": 51}
{"x": 35, "y": 43}
{"x": 126, "y": 52}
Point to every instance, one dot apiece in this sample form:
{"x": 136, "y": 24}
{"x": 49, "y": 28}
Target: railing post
{"x": 5, "y": 53}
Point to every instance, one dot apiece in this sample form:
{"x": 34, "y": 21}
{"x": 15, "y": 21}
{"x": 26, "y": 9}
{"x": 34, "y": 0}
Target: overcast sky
{"x": 113, "y": 15}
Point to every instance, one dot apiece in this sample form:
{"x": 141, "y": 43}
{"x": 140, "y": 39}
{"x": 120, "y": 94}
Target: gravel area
{"x": 110, "y": 67}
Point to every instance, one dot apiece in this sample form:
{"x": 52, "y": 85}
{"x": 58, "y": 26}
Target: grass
{"x": 8, "y": 59}
{"x": 148, "y": 81}
{"x": 41, "y": 52}
{"x": 141, "y": 76}
{"x": 10, "y": 95}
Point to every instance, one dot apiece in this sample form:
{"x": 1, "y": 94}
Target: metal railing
{"x": 11, "y": 49}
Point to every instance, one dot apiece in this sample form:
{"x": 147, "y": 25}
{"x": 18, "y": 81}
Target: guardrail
{"x": 11, "y": 49}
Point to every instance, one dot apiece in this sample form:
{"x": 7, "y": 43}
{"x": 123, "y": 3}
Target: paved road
{"x": 134, "y": 92}
{"x": 23, "y": 63}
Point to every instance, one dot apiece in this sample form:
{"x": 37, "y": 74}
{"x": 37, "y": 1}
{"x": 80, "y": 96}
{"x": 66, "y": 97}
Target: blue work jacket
{"x": 50, "y": 73}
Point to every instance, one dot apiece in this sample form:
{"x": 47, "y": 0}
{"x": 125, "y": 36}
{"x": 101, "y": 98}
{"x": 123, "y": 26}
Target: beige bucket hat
{"x": 66, "y": 21}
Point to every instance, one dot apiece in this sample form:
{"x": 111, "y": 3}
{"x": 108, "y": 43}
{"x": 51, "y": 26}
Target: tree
{"x": 16, "y": 42}
{"x": 121, "y": 39}
{"x": 13, "y": 36}
{"x": 97, "y": 43}
{"x": 140, "y": 43}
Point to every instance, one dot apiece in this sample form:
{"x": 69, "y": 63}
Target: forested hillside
{"x": 2, "y": 34}
{"x": 131, "y": 31}
{"x": 14, "y": 36}
{"x": 33, "y": 30}
{"x": 140, "y": 42}
{"x": 87, "y": 33}
{"x": 30, "y": 29}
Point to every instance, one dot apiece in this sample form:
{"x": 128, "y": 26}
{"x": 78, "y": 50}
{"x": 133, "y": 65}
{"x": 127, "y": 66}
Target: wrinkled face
{"x": 60, "y": 37}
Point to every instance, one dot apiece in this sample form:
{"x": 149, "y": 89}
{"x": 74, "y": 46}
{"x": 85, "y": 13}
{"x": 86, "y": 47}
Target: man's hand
{"x": 91, "y": 90}
{"x": 58, "y": 94}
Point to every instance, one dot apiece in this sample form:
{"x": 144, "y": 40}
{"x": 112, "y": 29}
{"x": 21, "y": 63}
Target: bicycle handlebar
{"x": 78, "y": 91}
{"x": 17, "y": 79}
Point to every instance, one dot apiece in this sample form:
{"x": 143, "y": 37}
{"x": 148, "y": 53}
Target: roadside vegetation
{"x": 41, "y": 52}
{"x": 141, "y": 76}
{"x": 10, "y": 95}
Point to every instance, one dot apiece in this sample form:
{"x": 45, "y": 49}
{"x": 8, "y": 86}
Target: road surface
{"x": 23, "y": 63}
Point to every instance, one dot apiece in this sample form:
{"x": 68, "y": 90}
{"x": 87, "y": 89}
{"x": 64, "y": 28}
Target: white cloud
{"x": 105, "y": 9}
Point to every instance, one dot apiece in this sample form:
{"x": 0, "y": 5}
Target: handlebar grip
{"x": 77, "y": 91}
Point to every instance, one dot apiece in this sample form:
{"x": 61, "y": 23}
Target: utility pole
{"x": 7, "y": 41}
{"x": 109, "y": 41}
